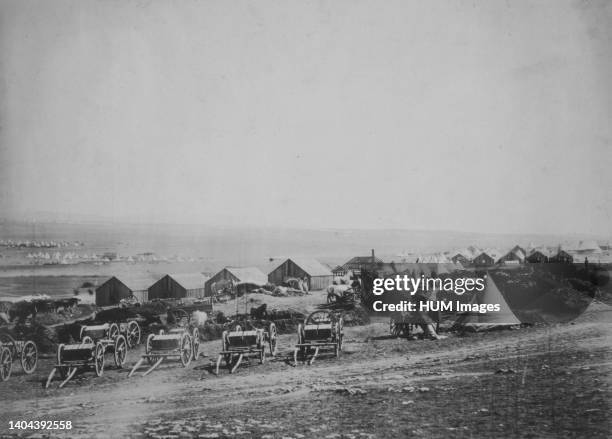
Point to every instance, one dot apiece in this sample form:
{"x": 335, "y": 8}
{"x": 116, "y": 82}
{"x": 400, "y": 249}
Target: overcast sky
{"x": 487, "y": 116}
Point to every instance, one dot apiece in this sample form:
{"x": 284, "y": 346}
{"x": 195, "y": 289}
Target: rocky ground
{"x": 544, "y": 381}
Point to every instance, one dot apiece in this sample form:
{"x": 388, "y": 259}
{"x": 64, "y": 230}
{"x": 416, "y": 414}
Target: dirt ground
{"x": 543, "y": 381}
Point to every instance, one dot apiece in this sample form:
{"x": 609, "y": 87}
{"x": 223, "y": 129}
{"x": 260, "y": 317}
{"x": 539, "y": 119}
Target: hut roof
{"x": 134, "y": 283}
{"x": 190, "y": 281}
{"x": 310, "y": 266}
{"x": 359, "y": 261}
{"x": 249, "y": 274}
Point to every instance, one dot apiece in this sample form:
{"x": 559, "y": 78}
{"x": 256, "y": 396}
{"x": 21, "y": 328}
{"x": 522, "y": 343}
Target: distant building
{"x": 178, "y": 286}
{"x": 113, "y": 290}
{"x": 339, "y": 271}
{"x": 515, "y": 255}
{"x": 563, "y": 257}
{"x": 358, "y": 263}
{"x": 463, "y": 257}
{"x": 318, "y": 275}
{"x": 539, "y": 256}
{"x": 235, "y": 275}
{"x": 487, "y": 258}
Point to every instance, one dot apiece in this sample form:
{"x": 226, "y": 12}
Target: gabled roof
{"x": 248, "y": 274}
{"x": 310, "y": 266}
{"x": 134, "y": 283}
{"x": 463, "y": 252}
{"x": 436, "y": 258}
{"x": 359, "y": 261}
{"x": 493, "y": 253}
{"x": 190, "y": 281}
{"x": 516, "y": 251}
{"x": 543, "y": 250}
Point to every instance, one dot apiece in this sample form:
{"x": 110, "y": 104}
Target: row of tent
{"x": 311, "y": 272}
{"x": 563, "y": 253}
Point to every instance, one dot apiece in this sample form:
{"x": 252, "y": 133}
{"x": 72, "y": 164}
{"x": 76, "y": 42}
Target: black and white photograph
{"x": 326, "y": 219}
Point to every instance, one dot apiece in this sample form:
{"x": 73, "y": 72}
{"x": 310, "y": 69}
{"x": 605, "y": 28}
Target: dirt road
{"x": 532, "y": 382}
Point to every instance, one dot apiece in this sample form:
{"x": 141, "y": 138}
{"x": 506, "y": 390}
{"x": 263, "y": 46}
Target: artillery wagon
{"x": 11, "y": 349}
{"x": 180, "y": 343}
{"x": 322, "y": 331}
{"x": 86, "y": 354}
{"x": 96, "y": 342}
{"x": 112, "y": 339}
{"x": 238, "y": 344}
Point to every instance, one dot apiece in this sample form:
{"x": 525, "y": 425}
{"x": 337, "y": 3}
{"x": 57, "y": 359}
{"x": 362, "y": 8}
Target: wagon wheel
{"x": 186, "y": 350}
{"x": 113, "y": 331}
{"x": 149, "y": 348}
{"x": 133, "y": 334}
{"x": 6, "y": 363}
{"x": 99, "y": 359}
{"x": 395, "y": 328}
{"x": 120, "y": 351}
{"x": 29, "y": 357}
{"x": 195, "y": 343}
{"x": 272, "y": 339}
{"x": 9, "y": 342}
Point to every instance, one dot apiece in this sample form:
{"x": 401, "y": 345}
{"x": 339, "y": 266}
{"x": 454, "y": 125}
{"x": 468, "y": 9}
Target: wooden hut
{"x": 318, "y": 276}
{"x": 113, "y": 290}
{"x": 178, "y": 286}
{"x": 235, "y": 275}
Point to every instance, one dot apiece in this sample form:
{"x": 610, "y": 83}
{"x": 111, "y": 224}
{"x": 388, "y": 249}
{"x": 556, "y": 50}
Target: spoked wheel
{"x": 99, "y": 359}
{"x": 186, "y": 350}
{"x": 195, "y": 343}
{"x": 133, "y": 334}
{"x": 272, "y": 339}
{"x": 394, "y": 328}
{"x": 29, "y": 357}
{"x": 9, "y": 342}
{"x": 113, "y": 331}
{"x": 148, "y": 349}
{"x": 120, "y": 353}
{"x": 6, "y": 363}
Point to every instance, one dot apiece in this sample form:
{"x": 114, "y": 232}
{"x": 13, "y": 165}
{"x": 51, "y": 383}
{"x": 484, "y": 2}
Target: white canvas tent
{"x": 482, "y": 321}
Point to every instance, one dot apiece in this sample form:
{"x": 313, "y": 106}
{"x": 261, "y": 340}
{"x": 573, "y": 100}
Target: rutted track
{"x": 373, "y": 378}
